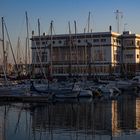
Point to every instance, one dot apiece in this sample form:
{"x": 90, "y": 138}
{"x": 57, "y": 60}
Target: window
{"x": 86, "y": 40}
{"x": 37, "y": 58}
{"x": 129, "y": 56}
{"x": 53, "y": 42}
{"x": 98, "y": 55}
{"x": 119, "y": 41}
{"x": 43, "y": 43}
{"x": 95, "y": 40}
{"x": 103, "y": 40}
{"x": 60, "y": 41}
{"x": 44, "y": 57}
{"x": 114, "y": 40}
{"x": 138, "y": 43}
{"x": 116, "y": 57}
{"x": 37, "y": 43}
{"x": 137, "y": 56}
{"x": 128, "y": 42}
{"x": 79, "y": 41}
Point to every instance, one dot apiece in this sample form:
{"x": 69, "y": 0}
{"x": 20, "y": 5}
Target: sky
{"x": 63, "y": 11}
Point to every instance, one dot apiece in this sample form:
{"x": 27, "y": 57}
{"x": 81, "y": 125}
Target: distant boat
{"x": 85, "y": 93}
{"x": 71, "y": 90}
{"x": 57, "y": 92}
{"x": 34, "y": 90}
{"x": 66, "y": 94}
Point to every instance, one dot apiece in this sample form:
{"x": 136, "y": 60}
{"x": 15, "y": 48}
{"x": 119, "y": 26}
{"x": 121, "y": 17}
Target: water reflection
{"x": 72, "y": 120}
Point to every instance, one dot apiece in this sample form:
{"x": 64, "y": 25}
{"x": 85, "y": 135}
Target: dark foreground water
{"x": 85, "y": 119}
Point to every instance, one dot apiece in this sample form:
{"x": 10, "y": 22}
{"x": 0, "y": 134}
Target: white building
{"x": 131, "y": 52}
{"x": 101, "y": 53}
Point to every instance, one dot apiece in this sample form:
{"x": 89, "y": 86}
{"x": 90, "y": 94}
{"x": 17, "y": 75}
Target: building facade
{"x": 86, "y": 54}
{"x": 131, "y": 53}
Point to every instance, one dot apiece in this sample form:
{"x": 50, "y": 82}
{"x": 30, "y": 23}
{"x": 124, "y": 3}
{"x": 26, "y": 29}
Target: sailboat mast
{"x": 18, "y": 51}
{"x": 40, "y": 52}
{"x": 76, "y": 47}
{"x": 27, "y": 52}
{"x": 3, "y": 47}
{"x": 51, "y": 49}
{"x": 3, "y": 44}
{"x": 70, "y": 56}
{"x": 8, "y": 37}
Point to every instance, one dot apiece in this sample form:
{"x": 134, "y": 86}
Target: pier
{"x": 24, "y": 98}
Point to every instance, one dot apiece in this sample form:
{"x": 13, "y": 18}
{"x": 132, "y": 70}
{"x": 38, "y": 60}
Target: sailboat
{"x": 8, "y": 87}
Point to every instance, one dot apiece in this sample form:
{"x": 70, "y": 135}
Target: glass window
{"x": 129, "y": 56}
{"x": 37, "y": 58}
{"x": 44, "y": 57}
{"x": 37, "y": 43}
{"x": 95, "y": 40}
{"x": 79, "y": 41}
{"x": 60, "y": 41}
{"x": 103, "y": 40}
{"x": 138, "y": 43}
{"x": 114, "y": 40}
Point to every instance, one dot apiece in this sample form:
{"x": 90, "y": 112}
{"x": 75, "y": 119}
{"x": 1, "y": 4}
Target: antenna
{"x": 38, "y": 27}
{"x": 88, "y": 22}
{"x": 75, "y": 28}
{"x": 125, "y": 26}
{"x": 69, "y": 27}
{"x": 119, "y": 16}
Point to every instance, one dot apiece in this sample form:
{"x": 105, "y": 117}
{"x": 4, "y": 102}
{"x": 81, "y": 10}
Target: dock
{"x": 24, "y": 98}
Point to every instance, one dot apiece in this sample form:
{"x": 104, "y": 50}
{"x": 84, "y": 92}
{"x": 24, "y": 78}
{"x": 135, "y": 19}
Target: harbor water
{"x": 78, "y": 119}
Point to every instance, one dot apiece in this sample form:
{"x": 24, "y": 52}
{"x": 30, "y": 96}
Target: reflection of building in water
{"x": 104, "y": 117}
{"x": 2, "y": 125}
{"x": 61, "y": 116}
{"x": 138, "y": 114}
{"x": 93, "y": 118}
{"x": 127, "y": 115}
{"x": 114, "y": 118}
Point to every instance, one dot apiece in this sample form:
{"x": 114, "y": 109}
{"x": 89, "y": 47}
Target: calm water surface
{"x": 85, "y": 119}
